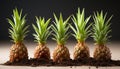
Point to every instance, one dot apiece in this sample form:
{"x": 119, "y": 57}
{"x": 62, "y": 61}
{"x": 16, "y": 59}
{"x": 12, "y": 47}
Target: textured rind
{"x": 102, "y": 53}
{"x": 18, "y": 52}
{"x": 60, "y": 54}
{"x": 42, "y": 51}
{"x": 81, "y": 52}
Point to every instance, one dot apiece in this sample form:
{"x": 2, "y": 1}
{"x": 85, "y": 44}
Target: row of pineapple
{"x": 81, "y": 28}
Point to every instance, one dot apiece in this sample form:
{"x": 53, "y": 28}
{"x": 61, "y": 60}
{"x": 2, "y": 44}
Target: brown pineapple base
{"x": 42, "y": 51}
{"x": 60, "y": 54}
{"x": 81, "y": 51}
{"x": 18, "y": 52}
{"x": 102, "y": 53}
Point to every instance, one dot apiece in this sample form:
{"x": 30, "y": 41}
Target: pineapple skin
{"x": 102, "y": 53}
{"x": 18, "y": 52}
{"x": 42, "y": 51}
{"x": 81, "y": 52}
{"x": 60, "y": 54}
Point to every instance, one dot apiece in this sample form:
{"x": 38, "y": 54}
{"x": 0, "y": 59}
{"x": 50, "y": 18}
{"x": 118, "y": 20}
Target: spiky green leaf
{"x": 81, "y": 30}
{"x": 18, "y": 29}
{"x": 60, "y": 29}
{"x": 42, "y": 30}
{"x": 101, "y": 28}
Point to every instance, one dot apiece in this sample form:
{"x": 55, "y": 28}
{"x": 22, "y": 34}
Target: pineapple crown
{"x": 81, "y": 30}
{"x": 101, "y": 28}
{"x": 60, "y": 29}
{"x": 18, "y": 30}
{"x": 41, "y": 30}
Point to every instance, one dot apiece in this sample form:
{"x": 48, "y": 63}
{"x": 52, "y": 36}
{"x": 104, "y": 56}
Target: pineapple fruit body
{"x": 101, "y": 35}
{"x": 60, "y": 54}
{"x": 18, "y": 52}
{"x": 102, "y": 53}
{"x": 81, "y": 52}
{"x": 42, "y": 51}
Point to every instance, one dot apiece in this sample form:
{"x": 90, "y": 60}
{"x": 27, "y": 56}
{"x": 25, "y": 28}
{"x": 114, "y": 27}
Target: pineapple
{"x": 18, "y": 31}
{"x": 101, "y": 30}
{"x": 81, "y": 32}
{"x": 42, "y": 33}
{"x": 61, "y": 34}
